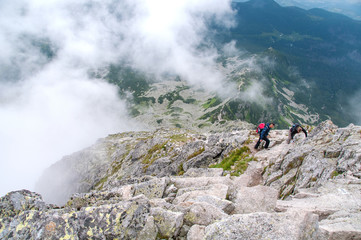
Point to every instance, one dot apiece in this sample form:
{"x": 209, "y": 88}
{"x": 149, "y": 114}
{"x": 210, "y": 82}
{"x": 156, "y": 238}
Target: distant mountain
{"x": 324, "y": 47}
{"x": 349, "y": 8}
{"x": 308, "y": 64}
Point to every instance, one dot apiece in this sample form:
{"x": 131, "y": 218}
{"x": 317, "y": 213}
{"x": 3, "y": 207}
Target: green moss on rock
{"x": 236, "y": 162}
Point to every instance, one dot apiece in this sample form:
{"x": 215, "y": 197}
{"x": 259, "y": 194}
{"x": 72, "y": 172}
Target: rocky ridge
{"x": 158, "y": 185}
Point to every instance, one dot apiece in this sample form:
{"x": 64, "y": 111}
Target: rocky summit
{"x": 178, "y": 184}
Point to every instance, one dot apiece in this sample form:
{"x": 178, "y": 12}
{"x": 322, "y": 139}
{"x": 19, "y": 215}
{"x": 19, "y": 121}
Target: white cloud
{"x": 165, "y": 36}
{"x": 354, "y": 106}
{"x": 50, "y": 107}
{"x": 50, "y": 115}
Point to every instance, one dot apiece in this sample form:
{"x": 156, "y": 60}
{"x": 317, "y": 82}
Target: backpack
{"x": 260, "y": 127}
{"x": 294, "y": 126}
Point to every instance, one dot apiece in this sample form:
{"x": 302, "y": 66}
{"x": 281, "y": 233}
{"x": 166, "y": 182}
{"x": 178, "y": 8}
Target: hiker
{"x": 263, "y": 135}
{"x": 296, "y": 128}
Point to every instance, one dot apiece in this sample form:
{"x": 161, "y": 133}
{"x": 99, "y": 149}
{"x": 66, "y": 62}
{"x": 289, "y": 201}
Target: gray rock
{"x": 16, "y": 202}
{"x": 196, "y": 232}
{"x": 187, "y": 182}
{"x": 170, "y": 191}
{"x": 123, "y": 220}
{"x": 169, "y": 223}
{"x": 286, "y": 180}
{"x": 255, "y": 199}
{"x": 254, "y": 226}
{"x": 203, "y": 213}
{"x": 337, "y": 205}
{"x": 204, "y": 159}
{"x": 152, "y": 189}
{"x": 225, "y": 205}
{"x": 150, "y": 230}
{"x": 162, "y": 203}
{"x": 183, "y": 232}
{"x": 160, "y": 167}
{"x": 318, "y": 176}
{"x": 204, "y": 172}
{"x": 341, "y": 226}
{"x": 254, "y": 171}
{"x": 188, "y": 194}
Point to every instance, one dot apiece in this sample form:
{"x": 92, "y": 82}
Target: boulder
{"x": 187, "y": 182}
{"x": 203, "y": 213}
{"x": 337, "y": 203}
{"x": 196, "y": 232}
{"x": 169, "y": 223}
{"x": 254, "y": 226}
{"x": 188, "y": 194}
{"x": 255, "y": 199}
{"x": 150, "y": 230}
{"x": 151, "y": 189}
{"x": 204, "y": 159}
{"x": 16, "y": 202}
{"x": 124, "y": 220}
{"x": 224, "y": 205}
{"x": 341, "y": 226}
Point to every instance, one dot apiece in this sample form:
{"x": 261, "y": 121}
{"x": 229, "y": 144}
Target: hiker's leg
{"x": 258, "y": 143}
{"x": 267, "y": 142}
{"x": 289, "y": 137}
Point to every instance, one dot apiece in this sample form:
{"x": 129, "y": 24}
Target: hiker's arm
{"x": 304, "y": 131}
{"x": 262, "y": 133}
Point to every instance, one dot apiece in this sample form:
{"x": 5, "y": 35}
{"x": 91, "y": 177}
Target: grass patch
{"x": 202, "y": 125}
{"x": 236, "y": 162}
{"x": 179, "y": 138}
{"x": 334, "y": 174}
{"x": 248, "y": 141}
{"x": 149, "y": 159}
{"x": 180, "y": 170}
{"x": 116, "y": 167}
{"x": 196, "y": 153}
{"x": 99, "y": 185}
{"x": 190, "y": 101}
{"x": 212, "y": 102}
{"x": 175, "y": 96}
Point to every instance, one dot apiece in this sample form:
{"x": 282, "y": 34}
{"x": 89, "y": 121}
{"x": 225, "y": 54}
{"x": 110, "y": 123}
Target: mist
{"x": 354, "y": 106}
{"x": 50, "y": 107}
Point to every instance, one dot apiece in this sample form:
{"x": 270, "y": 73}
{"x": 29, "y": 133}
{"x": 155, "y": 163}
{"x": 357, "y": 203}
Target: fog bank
{"x": 50, "y": 107}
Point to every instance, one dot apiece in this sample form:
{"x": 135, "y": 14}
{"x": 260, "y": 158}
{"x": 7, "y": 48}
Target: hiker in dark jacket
{"x": 296, "y": 128}
{"x": 264, "y": 134}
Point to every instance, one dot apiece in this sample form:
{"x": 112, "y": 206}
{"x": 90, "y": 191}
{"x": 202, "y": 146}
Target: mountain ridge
{"x": 163, "y": 184}
{"x": 316, "y": 63}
